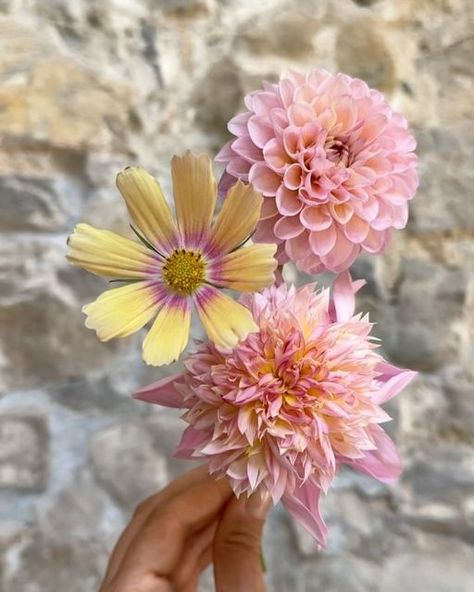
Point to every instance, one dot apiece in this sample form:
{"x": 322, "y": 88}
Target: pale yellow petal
{"x": 109, "y": 254}
{"x": 238, "y": 217}
{"x": 148, "y": 208}
{"x": 249, "y": 269}
{"x": 195, "y": 193}
{"x": 225, "y": 321}
{"x": 122, "y": 311}
{"x": 169, "y": 333}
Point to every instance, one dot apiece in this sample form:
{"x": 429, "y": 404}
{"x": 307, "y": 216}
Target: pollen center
{"x": 184, "y": 271}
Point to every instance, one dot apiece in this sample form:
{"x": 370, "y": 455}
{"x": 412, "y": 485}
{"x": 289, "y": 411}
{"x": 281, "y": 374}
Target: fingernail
{"x": 258, "y": 504}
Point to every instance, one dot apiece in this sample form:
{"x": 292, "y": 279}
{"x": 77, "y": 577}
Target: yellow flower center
{"x": 184, "y": 271}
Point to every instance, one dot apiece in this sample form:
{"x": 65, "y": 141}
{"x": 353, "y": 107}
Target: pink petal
{"x": 191, "y": 441}
{"x": 343, "y": 292}
{"x": 245, "y": 148}
{"x": 300, "y": 113}
{"x": 315, "y": 218}
{"x": 226, "y": 182}
{"x": 298, "y": 247}
{"x": 288, "y": 227}
{"x": 275, "y": 155}
{"x": 356, "y": 229}
{"x": 264, "y": 179}
{"x": 322, "y": 241}
{"x": 238, "y": 124}
{"x": 288, "y": 201}
{"x": 260, "y": 130}
{"x": 293, "y": 177}
{"x": 163, "y": 392}
{"x": 303, "y": 505}
{"x": 383, "y": 463}
{"x": 395, "y": 380}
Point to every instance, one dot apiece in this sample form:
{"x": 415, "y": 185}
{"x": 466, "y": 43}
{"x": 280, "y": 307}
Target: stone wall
{"x": 87, "y": 87}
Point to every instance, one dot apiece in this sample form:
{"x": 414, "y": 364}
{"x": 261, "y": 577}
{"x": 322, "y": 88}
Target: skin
{"x": 176, "y": 533}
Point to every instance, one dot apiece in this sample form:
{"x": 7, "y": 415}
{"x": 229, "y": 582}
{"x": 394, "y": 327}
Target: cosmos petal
{"x": 148, "y": 208}
{"x": 248, "y": 270}
{"x": 237, "y": 219}
{"x": 122, "y": 311}
{"x": 169, "y": 333}
{"x": 106, "y": 253}
{"x": 195, "y": 193}
{"x": 225, "y": 320}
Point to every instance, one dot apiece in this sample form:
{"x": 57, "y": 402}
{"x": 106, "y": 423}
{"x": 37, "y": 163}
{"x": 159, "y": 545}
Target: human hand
{"x": 174, "y": 534}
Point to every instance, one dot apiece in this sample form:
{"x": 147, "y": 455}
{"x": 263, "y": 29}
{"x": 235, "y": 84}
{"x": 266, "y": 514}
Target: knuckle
{"x": 241, "y": 537}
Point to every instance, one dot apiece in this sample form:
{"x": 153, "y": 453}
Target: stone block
{"x": 24, "y": 452}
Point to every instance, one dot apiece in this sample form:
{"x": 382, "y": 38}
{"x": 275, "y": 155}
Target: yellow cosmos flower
{"x": 176, "y": 263}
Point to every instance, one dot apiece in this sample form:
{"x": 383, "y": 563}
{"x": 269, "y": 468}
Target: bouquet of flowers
{"x": 288, "y": 387}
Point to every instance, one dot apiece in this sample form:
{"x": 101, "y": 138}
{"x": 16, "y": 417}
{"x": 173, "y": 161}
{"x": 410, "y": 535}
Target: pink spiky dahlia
{"x": 291, "y": 402}
{"x": 334, "y": 161}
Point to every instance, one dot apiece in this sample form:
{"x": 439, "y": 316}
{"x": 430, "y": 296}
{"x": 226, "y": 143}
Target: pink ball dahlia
{"x": 292, "y": 402}
{"x": 334, "y": 161}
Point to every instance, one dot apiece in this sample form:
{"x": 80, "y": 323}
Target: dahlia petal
{"x": 269, "y": 208}
{"x": 263, "y": 179}
{"x": 303, "y": 505}
{"x": 264, "y": 232}
{"x": 342, "y": 251}
{"x": 343, "y": 293}
{"x": 260, "y": 130}
{"x": 400, "y": 216}
{"x": 225, "y": 153}
{"x": 245, "y": 148}
{"x": 293, "y": 177}
{"x": 288, "y": 227}
{"x": 383, "y": 463}
{"x": 356, "y": 229}
{"x": 195, "y": 193}
{"x": 239, "y": 168}
{"x": 225, "y": 183}
{"x": 315, "y": 218}
{"x": 106, "y": 253}
{"x": 300, "y": 113}
{"x": 395, "y": 380}
{"x": 342, "y": 213}
{"x": 275, "y": 155}
{"x": 298, "y": 248}
{"x": 163, "y": 392}
{"x": 148, "y": 208}
{"x": 225, "y": 320}
{"x": 238, "y": 124}
{"x": 375, "y": 241}
{"x": 169, "y": 333}
{"x": 236, "y": 220}
{"x": 248, "y": 270}
{"x": 122, "y": 311}
{"x": 287, "y": 201}
{"x": 322, "y": 241}
{"x": 191, "y": 441}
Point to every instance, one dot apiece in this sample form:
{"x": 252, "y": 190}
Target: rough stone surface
{"x": 89, "y": 87}
{"x": 23, "y": 452}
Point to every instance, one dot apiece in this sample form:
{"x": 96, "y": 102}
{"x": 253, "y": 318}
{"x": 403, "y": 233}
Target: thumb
{"x": 237, "y": 544}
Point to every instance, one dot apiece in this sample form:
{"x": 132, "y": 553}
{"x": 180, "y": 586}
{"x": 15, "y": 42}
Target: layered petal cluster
{"x": 176, "y": 263}
{"x": 291, "y": 402}
{"x": 334, "y": 162}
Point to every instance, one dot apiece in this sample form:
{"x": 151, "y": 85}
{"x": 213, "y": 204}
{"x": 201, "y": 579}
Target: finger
{"x": 143, "y": 511}
{"x": 192, "y": 585}
{"x": 190, "y": 564}
{"x": 237, "y": 544}
{"x": 157, "y": 547}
